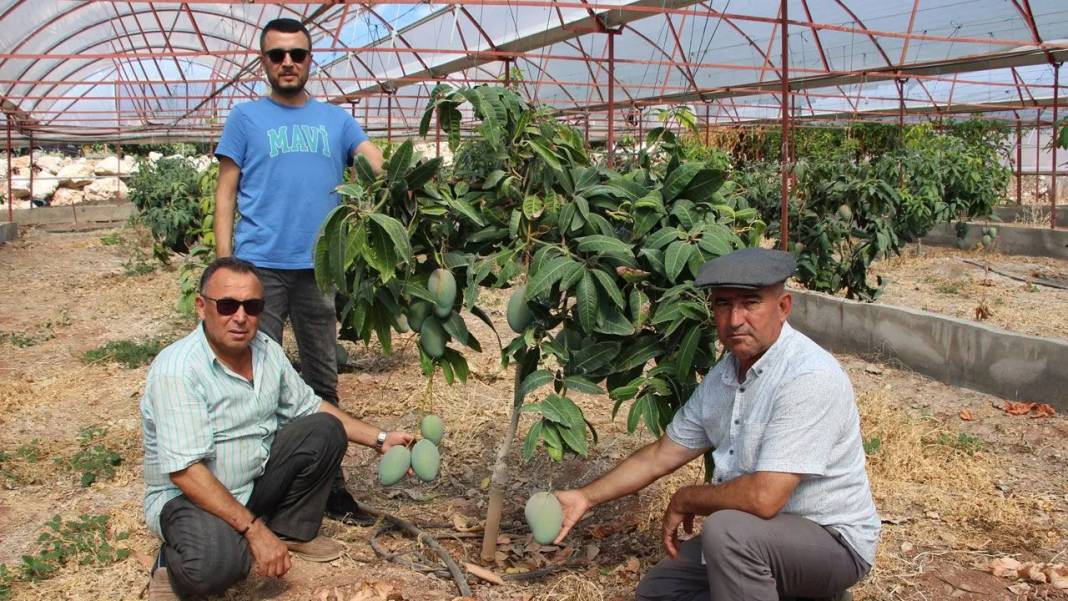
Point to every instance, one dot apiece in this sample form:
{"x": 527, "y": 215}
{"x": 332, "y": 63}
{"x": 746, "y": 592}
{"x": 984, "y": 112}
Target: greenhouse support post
{"x": 389, "y": 117}
{"x": 784, "y": 208}
{"x": 1053, "y": 139}
{"x": 10, "y": 196}
{"x": 29, "y": 137}
{"x": 611, "y": 96}
{"x": 1038, "y": 151}
{"x": 1019, "y": 162}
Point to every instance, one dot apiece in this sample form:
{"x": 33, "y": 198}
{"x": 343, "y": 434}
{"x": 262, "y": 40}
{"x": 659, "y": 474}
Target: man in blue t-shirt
{"x": 280, "y": 159}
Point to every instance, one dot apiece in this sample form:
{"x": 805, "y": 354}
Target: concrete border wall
{"x": 954, "y": 351}
{"x": 1011, "y": 240}
{"x": 1012, "y": 213}
{"x": 74, "y": 214}
{"x": 8, "y": 231}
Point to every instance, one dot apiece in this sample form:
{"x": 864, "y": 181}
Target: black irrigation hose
{"x": 1038, "y": 281}
{"x": 458, "y": 576}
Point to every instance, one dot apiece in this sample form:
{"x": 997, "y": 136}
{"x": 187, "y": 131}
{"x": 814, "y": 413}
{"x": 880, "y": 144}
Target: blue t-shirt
{"x": 291, "y": 160}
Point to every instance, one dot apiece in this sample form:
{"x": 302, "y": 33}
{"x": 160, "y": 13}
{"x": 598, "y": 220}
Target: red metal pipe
{"x": 29, "y": 136}
{"x": 389, "y": 118}
{"x": 1054, "y": 140}
{"x": 10, "y": 192}
{"x": 784, "y": 207}
{"x": 611, "y": 97}
{"x": 1038, "y": 148}
{"x": 1019, "y": 162}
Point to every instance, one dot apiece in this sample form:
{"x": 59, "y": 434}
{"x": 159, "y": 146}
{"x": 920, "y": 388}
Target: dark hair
{"x": 285, "y": 26}
{"x": 229, "y": 263}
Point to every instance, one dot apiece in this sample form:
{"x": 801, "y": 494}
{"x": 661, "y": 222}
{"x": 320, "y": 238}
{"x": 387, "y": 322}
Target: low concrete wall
{"x": 954, "y": 351}
{"x": 1014, "y": 213}
{"x": 8, "y": 231}
{"x": 1011, "y": 240}
{"x": 74, "y": 214}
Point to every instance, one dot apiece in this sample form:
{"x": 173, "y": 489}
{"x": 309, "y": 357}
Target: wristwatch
{"x": 380, "y": 440}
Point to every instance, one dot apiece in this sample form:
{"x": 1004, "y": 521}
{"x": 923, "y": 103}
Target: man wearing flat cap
{"x": 788, "y": 513}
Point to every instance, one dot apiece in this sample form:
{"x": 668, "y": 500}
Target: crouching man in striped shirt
{"x": 239, "y": 452}
{"x": 788, "y": 512}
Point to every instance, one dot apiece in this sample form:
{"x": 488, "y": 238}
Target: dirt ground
{"x": 961, "y": 282}
{"x": 953, "y": 493}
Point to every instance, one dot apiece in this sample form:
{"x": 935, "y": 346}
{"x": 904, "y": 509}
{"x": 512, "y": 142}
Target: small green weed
{"x": 113, "y": 239}
{"x": 138, "y": 264}
{"x": 126, "y": 352}
{"x": 6, "y": 579}
{"x": 85, "y": 541}
{"x": 30, "y": 452}
{"x": 92, "y": 460}
{"x": 949, "y": 287}
{"x": 962, "y": 442}
{"x": 872, "y": 445}
{"x": 24, "y": 340}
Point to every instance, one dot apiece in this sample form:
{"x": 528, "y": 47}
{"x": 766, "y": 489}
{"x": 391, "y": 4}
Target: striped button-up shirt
{"x": 195, "y": 409}
{"x": 794, "y": 413}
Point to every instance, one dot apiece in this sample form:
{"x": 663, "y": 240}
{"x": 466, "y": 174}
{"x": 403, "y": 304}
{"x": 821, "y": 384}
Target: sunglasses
{"x": 228, "y": 306}
{"x": 278, "y": 55}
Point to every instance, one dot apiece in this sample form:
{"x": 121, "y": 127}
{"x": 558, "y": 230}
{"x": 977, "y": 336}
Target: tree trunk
{"x": 499, "y": 478}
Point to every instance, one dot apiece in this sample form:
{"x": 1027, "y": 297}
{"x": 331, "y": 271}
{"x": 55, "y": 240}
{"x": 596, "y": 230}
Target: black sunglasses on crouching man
{"x": 277, "y": 55}
{"x": 228, "y": 306}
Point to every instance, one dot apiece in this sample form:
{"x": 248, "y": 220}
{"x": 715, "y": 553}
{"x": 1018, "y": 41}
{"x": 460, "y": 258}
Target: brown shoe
{"x": 159, "y": 586}
{"x": 320, "y": 549}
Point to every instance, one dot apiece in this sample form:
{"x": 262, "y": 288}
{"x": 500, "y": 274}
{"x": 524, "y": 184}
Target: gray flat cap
{"x": 747, "y": 268}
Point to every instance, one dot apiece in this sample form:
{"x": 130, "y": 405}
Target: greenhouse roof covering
{"x": 95, "y": 70}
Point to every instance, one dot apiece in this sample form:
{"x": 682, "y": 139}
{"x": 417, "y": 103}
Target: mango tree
{"x": 607, "y": 259}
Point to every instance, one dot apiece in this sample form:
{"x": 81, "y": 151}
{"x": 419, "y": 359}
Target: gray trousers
{"x": 204, "y": 555}
{"x": 752, "y": 559}
{"x": 293, "y": 293}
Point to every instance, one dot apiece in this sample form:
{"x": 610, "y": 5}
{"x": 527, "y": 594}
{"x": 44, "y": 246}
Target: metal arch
{"x": 94, "y": 61}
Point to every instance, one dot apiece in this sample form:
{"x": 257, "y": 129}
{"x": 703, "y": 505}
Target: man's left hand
{"x": 672, "y": 518}
{"x": 396, "y": 438}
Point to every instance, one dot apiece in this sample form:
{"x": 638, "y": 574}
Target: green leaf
{"x": 563, "y": 410}
{"x": 614, "y": 323}
{"x": 582, "y": 384}
{"x": 605, "y": 245}
{"x": 397, "y": 234}
{"x": 687, "y": 349}
{"x": 364, "y": 171}
{"x": 422, "y": 173}
{"x": 678, "y": 253}
{"x": 399, "y": 163}
{"x": 678, "y": 179}
{"x": 530, "y": 444}
{"x": 549, "y": 273}
{"x": 634, "y": 416}
{"x": 586, "y": 302}
{"x": 541, "y": 147}
{"x": 638, "y": 353}
{"x": 533, "y": 381}
{"x": 532, "y": 206}
{"x": 594, "y": 356}
{"x": 467, "y": 210}
{"x": 575, "y": 437}
{"x": 609, "y": 286}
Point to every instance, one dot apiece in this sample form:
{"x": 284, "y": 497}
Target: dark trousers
{"x": 752, "y": 559}
{"x": 293, "y": 293}
{"x": 204, "y": 555}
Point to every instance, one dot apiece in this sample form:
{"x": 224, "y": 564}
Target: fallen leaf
{"x": 483, "y": 573}
{"x": 1058, "y": 577}
{"x": 1020, "y": 588}
{"x": 1035, "y": 573}
{"x": 933, "y": 515}
{"x": 591, "y": 551}
{"x": 1043, "y": 410}
{"x": 966, "y": 415}
{"x": 873, "y": 370}
{"x": 1034, "y": 409}
{"x": 906, "y": 547}
{"x": 504, "y": 540}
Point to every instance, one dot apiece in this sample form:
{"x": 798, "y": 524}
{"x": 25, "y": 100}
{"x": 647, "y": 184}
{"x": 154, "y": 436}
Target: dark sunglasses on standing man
{"x": 277, "y": 55}
{"x": 228, "y": 306}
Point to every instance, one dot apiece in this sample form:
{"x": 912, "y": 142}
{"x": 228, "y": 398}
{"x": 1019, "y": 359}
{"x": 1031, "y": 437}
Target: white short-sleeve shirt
{"x": 794, "y": 413}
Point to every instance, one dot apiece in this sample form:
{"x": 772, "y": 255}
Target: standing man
{"x": 788, "y": 512}
{"x": 239, "y": 451}
{"x": 280, "y": 159}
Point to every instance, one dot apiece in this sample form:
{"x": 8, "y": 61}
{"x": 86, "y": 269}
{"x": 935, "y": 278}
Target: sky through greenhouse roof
{"x": 100, "y": 70}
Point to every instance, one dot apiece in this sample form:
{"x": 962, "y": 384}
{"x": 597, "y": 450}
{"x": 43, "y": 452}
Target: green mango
{"x": 417, "y": 313}
{"x": 987, "y": 240}
{"x": 845, "y": 213}
{"x": 442, "y": 286}
{"x": 426, "y": 460}
{"x": 432, "y": 429}
{"x": 432, "y": 337}
{"x": 401, "y": 324}
{"x": 519, "y": 315}
{"x": 544, "y": 516}
{"x": 393, "y": 465}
